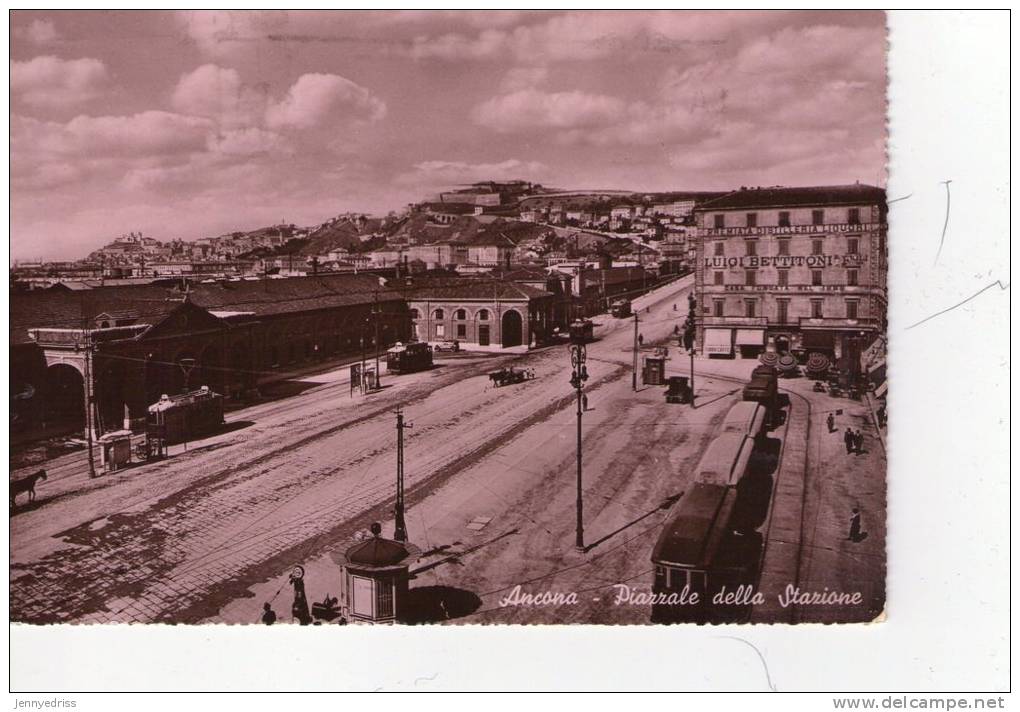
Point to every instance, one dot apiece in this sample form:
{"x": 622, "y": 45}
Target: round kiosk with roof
{"x": 374, "y": 579}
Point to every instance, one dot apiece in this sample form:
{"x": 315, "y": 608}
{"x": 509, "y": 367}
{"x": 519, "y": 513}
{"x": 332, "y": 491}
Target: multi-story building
{"x": 791, "y": 269}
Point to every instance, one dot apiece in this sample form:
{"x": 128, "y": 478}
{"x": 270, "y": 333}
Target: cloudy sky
{"x": 191, "y": 124}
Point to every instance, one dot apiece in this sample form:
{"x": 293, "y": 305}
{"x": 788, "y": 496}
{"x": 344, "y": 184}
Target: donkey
{"x": 26, "y": 484}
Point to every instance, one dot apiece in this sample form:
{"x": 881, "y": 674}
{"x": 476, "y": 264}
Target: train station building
{"x": 791, "y": 270}
{"x": 136, "y": 343}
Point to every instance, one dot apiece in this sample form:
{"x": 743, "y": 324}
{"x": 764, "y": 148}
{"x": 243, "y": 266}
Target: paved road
{"x": 178, "y": 540}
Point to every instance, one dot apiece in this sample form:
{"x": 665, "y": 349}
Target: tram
{"x": 184, "y": 416}
{"x": 620, "y": 308}
{"x": 747, "y": 418}
{"x": 408, "y": 358}
{"x": 689, "y": 555}
{"x": 763, "y": 388}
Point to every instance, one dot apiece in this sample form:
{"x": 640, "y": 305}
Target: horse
{"x": 26, "y": 484}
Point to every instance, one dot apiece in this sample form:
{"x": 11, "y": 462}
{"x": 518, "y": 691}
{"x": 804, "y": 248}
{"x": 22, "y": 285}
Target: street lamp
{"x": 578, "y": 356}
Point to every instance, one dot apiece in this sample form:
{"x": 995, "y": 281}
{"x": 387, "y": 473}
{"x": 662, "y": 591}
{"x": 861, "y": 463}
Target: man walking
{"x": 831, "y": 422}
{"x": 855, "y": 525}
{"x": 858, "y": 442}
{"x": 848, "y": 440}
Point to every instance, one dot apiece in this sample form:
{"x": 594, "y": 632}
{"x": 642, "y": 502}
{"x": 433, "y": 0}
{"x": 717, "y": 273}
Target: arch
{"x": 415, "y": 314}
{"x": 64, "y": 396}
{"x": 482, "y": 315}
{"x": 438, "y": 314}
{"x": 460, "y": 314}
{"x": 512, "y": 328}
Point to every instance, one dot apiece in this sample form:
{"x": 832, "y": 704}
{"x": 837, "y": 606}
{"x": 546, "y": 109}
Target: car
{"x": 446, "y": 346}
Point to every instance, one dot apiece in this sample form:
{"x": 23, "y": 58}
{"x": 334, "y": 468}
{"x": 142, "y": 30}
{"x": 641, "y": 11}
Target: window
{"x": 817, "y": 217}
{"x": 752, "y": 247}
{"x": 750, "y": 277}
{"x": 717, "y": 307}
{"x": 784, "y": 218}
{"x": 752, "y": 219}
{"x": 851, "y": 278}
{"x": 384, "y": 599}
{"x": 816, "y": 278}
{"x": 816, "y": 247}
{"x": 718, "y": 279}
{"x": 853, "y": 216}
{"x": 461, "y": 331}
{"x": 852, "y": 245}
{"x": 851, "y": 309}
{"x": 460, "y": 314}
{"x": 784, "y": 247}
{"x": 483, "y": 315}
{"x": 782, "y": 310}
{"x": 784, "y": 277}
{"x": 750, "y": 308}
{"x": 415, "y": 314}
{"x": 718, "y": 249}
{"x": 720, "y": 221}
{"x": 440, "y": 330}
{"x": 437, "y": 314}
{"x": 816, "y": 308}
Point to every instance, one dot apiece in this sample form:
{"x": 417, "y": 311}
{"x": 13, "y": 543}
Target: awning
{"x": 882, "y": 389}
{"x": 750, "y": 337}
{"x": 718, "y": 341}
{"x": 818, "y": 340}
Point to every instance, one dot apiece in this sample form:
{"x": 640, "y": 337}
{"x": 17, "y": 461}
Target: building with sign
{"x": 793, "y": 270}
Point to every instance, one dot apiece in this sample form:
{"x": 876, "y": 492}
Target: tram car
{"x": 408, "y": 358}
{"x": 763, "y": 388}
{"x": 582, "y": 331}
{"x": 620, "y": 308}
{"x": 746, "y": 418}
{"x": 690, "y": 554}
{"x": 725, "y": 460}
{"x": 185, "y": 416}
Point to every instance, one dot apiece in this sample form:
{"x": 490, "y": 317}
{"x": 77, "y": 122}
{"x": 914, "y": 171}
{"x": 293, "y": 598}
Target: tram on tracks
{"x": 703, "y": 547}
{"x": 408, "y": 358}
{"x": 184, "y": 416}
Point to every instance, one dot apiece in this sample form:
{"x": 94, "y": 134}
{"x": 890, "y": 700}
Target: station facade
{"x": 791, "y": 270}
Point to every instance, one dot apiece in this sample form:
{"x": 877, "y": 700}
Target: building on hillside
{"x": 792, "y": 270}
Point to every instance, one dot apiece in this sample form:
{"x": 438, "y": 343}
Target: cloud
{"x": 248, "y": 142}
{"x": 432, "y": 173}
{"x": 218, "y": 93}
{"x": 532, "y": 109}
{"x": 315, "y": 99}
{"x": 39, "y": 32}
{"x": 523, "y": 78}
{"x": 49, "y": 81}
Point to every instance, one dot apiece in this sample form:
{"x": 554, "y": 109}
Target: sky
{"x": 194, "y": 123}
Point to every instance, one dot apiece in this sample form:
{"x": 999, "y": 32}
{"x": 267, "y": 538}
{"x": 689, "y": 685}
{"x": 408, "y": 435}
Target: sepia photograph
{"x": 441, "y": 318}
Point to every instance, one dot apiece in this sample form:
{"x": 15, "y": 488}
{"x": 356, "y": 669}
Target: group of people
{"x": 328, "y": 609}
{"x": 854, "y": 441}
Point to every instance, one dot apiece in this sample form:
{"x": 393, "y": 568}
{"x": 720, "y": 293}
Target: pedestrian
{"x": 300, "y": 607}
{"x": 674, "y": 307}
{"x": 268, "y": 615}
{"x": 855, "y": 525}
{"x": 848, "y": 440}
{"x": 831, "y": 422}
{"x": 648, "y": 310}
{"x": 881, "y": 416}
{"x": 676, "y": 329}
{"x": 858, "y": 441}
{"x": 641, "y": 339}
{"x": 584, "y": 401}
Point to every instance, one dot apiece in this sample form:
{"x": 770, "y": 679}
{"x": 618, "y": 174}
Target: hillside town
{"x": 478, "y": 227}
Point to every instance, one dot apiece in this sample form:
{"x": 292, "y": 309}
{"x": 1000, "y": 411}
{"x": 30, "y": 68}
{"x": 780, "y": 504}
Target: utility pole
{"x": 375, "y": 313}
{"x": 578, "y": 357}
{"x": 399, "y": 527}
{"x": 633, "y": 380}
{"x": 689, "y": 337}
{"x": 87, "y": 332}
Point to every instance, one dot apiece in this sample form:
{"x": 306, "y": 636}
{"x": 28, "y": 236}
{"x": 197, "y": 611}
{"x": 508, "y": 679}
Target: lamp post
{"x": 578, "y": 357}
{"x": 689, "y": 337}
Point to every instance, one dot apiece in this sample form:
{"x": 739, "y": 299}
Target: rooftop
{"x": 780, "y": 196}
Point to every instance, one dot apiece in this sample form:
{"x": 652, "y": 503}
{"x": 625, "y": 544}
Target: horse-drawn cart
{"x": 510, "y": 375}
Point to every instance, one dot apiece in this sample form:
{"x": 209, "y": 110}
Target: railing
{"x": 734, "y": 321}
{"x": 838, "y": 322}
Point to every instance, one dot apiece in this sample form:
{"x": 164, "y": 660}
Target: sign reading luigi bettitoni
{"x": 788, "y": 230}
{"x": 756, "y": 261}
